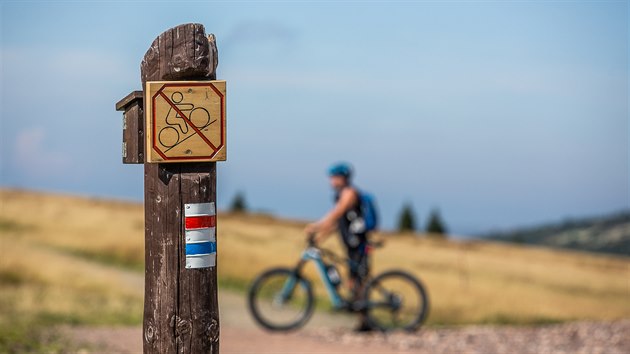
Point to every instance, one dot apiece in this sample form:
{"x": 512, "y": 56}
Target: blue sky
{"x": 498, "y": 113}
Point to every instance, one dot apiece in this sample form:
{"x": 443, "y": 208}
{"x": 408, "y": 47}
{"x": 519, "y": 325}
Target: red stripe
{"x": 200, "y": 222}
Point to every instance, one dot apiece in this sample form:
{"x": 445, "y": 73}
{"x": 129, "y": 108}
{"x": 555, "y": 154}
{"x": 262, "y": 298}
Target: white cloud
{"x": 34, "y": 158}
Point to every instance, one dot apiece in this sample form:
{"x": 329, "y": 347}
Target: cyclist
{"x": 346, "y": 217}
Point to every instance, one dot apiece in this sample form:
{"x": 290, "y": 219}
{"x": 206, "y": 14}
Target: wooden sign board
{"x": 185, "y": 121}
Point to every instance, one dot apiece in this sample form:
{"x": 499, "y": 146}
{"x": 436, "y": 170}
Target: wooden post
{"x": 181, "y": 313}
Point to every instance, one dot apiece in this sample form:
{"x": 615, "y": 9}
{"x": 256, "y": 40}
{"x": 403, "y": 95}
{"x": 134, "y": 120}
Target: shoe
{"x": 363, "y": 327}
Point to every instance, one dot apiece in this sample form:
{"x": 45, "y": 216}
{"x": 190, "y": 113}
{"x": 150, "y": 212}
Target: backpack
{"x": 368, "y": 209}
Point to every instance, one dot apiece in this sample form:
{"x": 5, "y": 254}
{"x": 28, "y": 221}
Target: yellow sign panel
{"x": 185, "y": 121}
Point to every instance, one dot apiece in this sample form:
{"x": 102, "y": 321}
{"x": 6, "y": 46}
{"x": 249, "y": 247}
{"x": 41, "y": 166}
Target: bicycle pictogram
{"x": 187, "y": 121}
{"x": 178, "y": 117}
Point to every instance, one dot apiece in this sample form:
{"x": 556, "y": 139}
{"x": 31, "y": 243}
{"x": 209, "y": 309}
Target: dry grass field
{"x": 75, "y": 260}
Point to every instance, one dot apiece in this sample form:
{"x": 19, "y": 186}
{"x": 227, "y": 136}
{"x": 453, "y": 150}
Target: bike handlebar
{"x": 311, "y": 241}
{"x": 310, "y": 237}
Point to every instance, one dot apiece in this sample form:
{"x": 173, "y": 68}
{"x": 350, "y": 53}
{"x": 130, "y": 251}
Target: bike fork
{"x": 291, "y": 282}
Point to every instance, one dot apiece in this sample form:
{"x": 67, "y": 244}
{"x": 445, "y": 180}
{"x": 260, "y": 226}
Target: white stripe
{"x": 201, "y": 235}
{"x": 201, "y": 261}
{"x": 198, "y": 209}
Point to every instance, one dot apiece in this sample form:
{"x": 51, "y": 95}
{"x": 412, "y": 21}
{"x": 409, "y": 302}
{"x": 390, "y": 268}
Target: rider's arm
{"x": 328, "y": 223}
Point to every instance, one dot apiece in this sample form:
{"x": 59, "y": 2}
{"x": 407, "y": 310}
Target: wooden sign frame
{"x": 185, "y": 121}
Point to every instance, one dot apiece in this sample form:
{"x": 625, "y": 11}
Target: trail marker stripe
{"x": 193, "y": 249}
{"x": 200, "y": 235}
{"x": 200, "y": 222}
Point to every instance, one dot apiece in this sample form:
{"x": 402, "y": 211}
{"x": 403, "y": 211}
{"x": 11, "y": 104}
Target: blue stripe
{"x": 200, "y": 248}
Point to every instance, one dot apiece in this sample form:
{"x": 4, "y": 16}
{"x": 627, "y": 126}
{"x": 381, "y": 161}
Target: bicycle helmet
{"x": 340, "y": 169}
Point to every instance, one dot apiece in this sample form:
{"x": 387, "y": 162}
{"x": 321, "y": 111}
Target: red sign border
{"x": 179, "y": 158}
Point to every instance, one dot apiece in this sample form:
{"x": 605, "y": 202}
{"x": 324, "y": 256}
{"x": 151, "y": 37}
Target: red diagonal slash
{"x": 188, "y": 121}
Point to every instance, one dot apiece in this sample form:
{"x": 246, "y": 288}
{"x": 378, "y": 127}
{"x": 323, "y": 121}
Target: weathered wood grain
{"x": 181, "y": 312}
{"x": 181, "y": 53}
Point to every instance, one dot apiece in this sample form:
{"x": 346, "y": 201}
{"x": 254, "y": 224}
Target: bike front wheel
{"x": 281, "y": 300}
{"x": 396, "y": 300}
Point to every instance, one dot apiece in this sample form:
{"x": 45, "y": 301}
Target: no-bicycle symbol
{"x": 185, "y": 121}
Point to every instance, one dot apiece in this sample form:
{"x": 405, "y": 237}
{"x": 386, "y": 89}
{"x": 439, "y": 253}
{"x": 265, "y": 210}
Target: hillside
{"x": 79, "y": 261}
{"x": 606, "y": 234}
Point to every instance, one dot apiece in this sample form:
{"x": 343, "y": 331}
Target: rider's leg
{"x": 359, "y": 270}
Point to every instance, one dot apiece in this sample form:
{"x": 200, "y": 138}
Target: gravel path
{"x": 579, "y": 337}
{"x": 330, "y": 333}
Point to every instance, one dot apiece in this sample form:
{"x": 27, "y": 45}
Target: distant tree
{"x": 435, "y": 225}
{"x": 238, "y": 203}
{"x": 407, "y": 219}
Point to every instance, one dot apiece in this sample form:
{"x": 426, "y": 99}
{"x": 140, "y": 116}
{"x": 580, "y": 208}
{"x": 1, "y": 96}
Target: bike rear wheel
{"x": 396, "y": 300}
{"x": 281, "y": 300}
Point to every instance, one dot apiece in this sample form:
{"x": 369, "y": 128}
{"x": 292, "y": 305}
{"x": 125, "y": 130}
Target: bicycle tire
{"x": 417, "y": 318}
{"x": 268, "y": 323}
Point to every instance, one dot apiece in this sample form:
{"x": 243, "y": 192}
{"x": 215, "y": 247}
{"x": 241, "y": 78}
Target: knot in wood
{"x": 213, "y": 330}
{"x": 150, "y": 334}
{"x": 181, "y": 326}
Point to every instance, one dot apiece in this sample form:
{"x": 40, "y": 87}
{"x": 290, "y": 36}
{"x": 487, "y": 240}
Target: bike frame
{"x": 315, "y": 255}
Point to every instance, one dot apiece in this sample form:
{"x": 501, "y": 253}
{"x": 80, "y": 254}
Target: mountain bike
{"x": 282, "y": 299}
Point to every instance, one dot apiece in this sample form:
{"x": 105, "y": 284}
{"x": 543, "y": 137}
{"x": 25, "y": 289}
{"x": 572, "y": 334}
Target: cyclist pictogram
{"x": 186, "y": 121}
